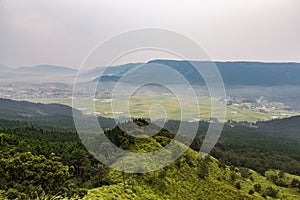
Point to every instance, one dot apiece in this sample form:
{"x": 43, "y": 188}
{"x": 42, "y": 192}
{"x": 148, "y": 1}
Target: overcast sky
{"x": 62, "y": 32}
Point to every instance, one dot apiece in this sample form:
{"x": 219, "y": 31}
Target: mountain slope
{"x": 20, "y": 109}
{"x": 112, "y": 70}
{"x": 233, "y": 73}
{"x": 52, "y": 114}
{"x": 189, "y": 177}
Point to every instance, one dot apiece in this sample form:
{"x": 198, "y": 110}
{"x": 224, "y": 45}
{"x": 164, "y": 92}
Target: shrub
{"x": 245, "y": 173}
{"x": 257, "y": 188}
{"x": 238, "y": 185}
{"x": 251, "y": 192}
{"x": 271, "y": 192}
{"x": 233, "y": 176}
{"x": 295, "y": 183}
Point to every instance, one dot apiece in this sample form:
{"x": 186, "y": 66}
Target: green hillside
{"x": 42, "y": 162}
{"x": 190, "y": 177}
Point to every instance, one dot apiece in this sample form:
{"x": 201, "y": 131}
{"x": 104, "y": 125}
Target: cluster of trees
{"x": 37, "y": 161}
{"x": 273, "y": 145}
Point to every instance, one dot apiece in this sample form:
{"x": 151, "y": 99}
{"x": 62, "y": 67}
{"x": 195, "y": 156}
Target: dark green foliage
{"x": 245, "y": 173}
{"x": 251, "y": 192}
{"x": 31, "y": 175}
{"x": 281, "y": 174}
{"x": 255, "y": 149}
{"x": 221, "y": 164}
{"x": 232, "y": 176}
{"x": 53, "y": 163}
{"x": 238, "y": 185}
{"x": 257, "y": 188}
{"x": 196, "y": 144}
{"x": 295, "y": 183}
{"x": 203, "y": 169}
{"x": 273, "y": 145}
{"x": 278, "y": 179}
{"x": 271, "y": 192}
{"x": 251, "y": 178}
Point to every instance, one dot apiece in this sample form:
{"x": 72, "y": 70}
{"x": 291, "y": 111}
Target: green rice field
{"x": 166, "y": 106}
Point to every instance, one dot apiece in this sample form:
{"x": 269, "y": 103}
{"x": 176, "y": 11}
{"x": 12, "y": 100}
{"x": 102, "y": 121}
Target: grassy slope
{"x": 182, "y": 180}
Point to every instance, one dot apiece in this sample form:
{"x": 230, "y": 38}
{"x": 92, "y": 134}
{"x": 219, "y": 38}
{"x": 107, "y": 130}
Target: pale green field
{"x": 169, "y": 107}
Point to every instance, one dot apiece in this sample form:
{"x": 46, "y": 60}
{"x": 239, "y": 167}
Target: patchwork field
{"x": 169, "y": 107}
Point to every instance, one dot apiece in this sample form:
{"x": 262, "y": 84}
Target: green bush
{"x": 257, "y": 188}
{"x": 271, "y": 192}
{"x": 238, "y": 185}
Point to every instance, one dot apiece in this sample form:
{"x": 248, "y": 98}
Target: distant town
{"x": 255, "y": 108}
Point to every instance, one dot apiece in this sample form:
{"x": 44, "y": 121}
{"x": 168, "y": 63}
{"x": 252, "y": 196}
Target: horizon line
{"x": 159, "y": 59}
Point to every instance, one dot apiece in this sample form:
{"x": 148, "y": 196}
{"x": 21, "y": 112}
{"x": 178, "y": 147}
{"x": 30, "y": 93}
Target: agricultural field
{"x": 169, "y": 107}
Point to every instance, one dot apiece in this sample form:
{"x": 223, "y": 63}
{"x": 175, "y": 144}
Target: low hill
{"x": 38, "y": 74}
{"x": 108, "y": 78}
{"x": 23, "y": 109}
{"x": 47, "y": 69}
{"x": 52, "y": 114}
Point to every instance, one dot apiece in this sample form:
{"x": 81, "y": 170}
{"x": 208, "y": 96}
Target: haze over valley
{"x": 255, "y": 90}
{"x": 150, "y": 100}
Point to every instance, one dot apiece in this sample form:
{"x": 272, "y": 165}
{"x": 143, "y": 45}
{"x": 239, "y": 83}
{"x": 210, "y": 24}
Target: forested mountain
{"x": 20, "y": 109}
{"x": 53, "y": 114}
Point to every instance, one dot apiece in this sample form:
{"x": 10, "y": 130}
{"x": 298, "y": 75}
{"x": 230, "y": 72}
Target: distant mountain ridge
{"x": 233, "y": 73}
{"x": 38, "y": 73}
{"x": 47, "y": 68}
{"x": 236, "y": 73}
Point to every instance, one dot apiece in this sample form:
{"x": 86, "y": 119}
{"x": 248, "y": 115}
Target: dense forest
{"x": 40, "y": 161}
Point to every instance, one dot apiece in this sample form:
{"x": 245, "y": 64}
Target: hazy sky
{"x": 62, "y": 32}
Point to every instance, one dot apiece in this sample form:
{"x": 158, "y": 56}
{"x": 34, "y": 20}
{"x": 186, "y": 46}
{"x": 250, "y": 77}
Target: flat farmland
{"x": 169, "y": 107}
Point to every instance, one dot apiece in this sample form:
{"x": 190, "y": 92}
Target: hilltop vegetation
{"x": 190, "y": 177}
{"x": 260, "y": 146}
{"x": 70, "y": 171}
